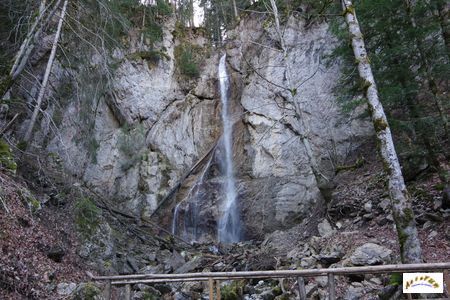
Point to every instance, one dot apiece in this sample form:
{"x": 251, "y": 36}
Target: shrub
{"x": 86, "y": 216}
{"x": 186, "y": 61}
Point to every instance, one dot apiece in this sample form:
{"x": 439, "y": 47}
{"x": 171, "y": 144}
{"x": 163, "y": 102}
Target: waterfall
{"x": 176, "y": 212}
{"x": 188, "y": 227}
{"x": 229, "y": 229}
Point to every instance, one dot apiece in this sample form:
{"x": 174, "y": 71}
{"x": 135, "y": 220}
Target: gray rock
{"x": 368, "y": 207}
{"x": 311, "y": 288}
{"x": 325, "y": 228}
{"x": 308, "y": 262}
{"x": 385, "y": 204}
{"x": 86, "y": 291}
{"x": 189, "y": 266}
{"x": 175, "y": 260}
{"x": 432, "y": 234}
{"x": 330, "y": 258}
{"x": 354, "y": 293}
{"x": 133, "y": 264}
{"x": 370, "y": 254}
{"x": 65, "y": 288}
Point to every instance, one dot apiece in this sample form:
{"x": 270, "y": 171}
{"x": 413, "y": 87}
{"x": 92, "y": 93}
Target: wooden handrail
{"x": 286, "y": 273}
{"x": 215, "y": 277}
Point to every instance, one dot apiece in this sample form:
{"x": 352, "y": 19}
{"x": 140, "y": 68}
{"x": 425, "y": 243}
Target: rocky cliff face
{"x": 156, "y": 132}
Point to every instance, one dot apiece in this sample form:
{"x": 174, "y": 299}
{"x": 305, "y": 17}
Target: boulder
{"x": 325, "y": 228}
{"x": 189, "y": 266}
{"x": 370, "y": 254}
{"x": 65, "y": 288}
{"x": 87, "y": 291}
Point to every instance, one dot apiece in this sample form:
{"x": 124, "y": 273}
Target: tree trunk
{"x": 403, "y": 214}
{"x": 443, "y": 11}
{"x": 236, "y": 15}
{"x": 192, "y": 13}
{"x": 141, "y": 43}
{"x": 47, "y": 73}
{"x": 27, "y": 47}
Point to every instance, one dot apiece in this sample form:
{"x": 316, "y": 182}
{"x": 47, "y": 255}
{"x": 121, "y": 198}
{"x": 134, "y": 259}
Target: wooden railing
{"x": 216, "y": 277}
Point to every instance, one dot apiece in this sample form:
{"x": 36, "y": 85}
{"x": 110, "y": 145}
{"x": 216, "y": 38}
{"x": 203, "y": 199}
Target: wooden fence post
{"x": 331, "y": 289}
{"x": 218, "y": 295}
{"x": 211, "y": 288}
{"x": 447, "y": 282}
{"x": 108, "y": 290}
{"x": 301, "y": 288}
{"x": 128, "y": 292}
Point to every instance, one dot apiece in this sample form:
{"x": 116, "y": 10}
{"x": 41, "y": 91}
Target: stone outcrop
{"x": 148, "y": 133}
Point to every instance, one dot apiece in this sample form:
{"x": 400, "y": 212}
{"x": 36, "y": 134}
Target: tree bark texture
{"x": 410, "y": 248}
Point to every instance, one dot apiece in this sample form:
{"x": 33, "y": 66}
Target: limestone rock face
{"x": 370, "y": 254}
{"x": 150, "y": 137}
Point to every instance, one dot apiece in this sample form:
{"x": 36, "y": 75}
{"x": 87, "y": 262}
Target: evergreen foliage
{"x": 410, "y": 65}
{"x": 187, "y": 61}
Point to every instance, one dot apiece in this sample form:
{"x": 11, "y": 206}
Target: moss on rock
{"x": 6, "y": 157}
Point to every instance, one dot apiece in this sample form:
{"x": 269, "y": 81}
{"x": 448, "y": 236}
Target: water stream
{"x": 187, "y": 226}
{"x": 186, "y": 212}
{"x": 229, "y": 228}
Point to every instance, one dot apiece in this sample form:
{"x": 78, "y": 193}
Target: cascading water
{"x": 188, "y": 227}
{"x": 176, "y": 212}
{"x": 229, "y": 228}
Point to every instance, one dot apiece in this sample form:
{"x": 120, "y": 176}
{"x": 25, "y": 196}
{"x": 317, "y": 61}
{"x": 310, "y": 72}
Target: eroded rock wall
{"x": 150, "y": 132}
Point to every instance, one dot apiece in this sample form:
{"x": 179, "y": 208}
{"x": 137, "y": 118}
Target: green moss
{"x": 409, "y": 215}
{"x": 396, "y": 279}
{"x": 358, "y": 164}
{"x": 380, "y": 124}
{"x": 277, "y": 290}
{"x": 86, "y": 217}
{"x": 5, "y": 84}
{"x": 87, "y": 291}
{"x": 402, "y": 237}
{"x": 439, "y": 186}
{"x": 386, "y": 165}
{"x": 7, "y": 161}
{"x": 348, "y": 10}
{"x": 28, "y": 198}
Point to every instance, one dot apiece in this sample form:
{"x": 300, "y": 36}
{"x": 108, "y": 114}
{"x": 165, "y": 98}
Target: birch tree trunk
{"x": 46, "y": 74}
{"x": 403, "y": 214}
{"x": 236, "y": 15}
{"x": 27, "y": 46}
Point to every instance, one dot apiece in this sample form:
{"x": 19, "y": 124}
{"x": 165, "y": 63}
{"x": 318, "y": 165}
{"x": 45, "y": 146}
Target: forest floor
{"x": 37, "y": 245}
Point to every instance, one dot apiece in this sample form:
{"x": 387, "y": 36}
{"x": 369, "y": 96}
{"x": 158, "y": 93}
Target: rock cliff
{"x": 154, "y": 131}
